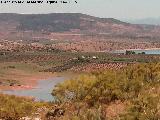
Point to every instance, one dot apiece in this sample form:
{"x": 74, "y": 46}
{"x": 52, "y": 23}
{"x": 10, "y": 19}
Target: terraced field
{"x": 17, "y": 66}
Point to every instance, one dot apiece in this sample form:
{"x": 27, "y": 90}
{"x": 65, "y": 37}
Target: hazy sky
{"x": 121, "y": 9}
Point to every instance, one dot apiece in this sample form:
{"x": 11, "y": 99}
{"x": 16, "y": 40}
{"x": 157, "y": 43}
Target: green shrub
{"x": 13, "y": 108}
{"x": 137, "y": 85}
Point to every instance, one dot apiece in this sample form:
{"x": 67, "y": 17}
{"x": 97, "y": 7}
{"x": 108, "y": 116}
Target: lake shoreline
{"x": 42, "y": 92}
{"x": 138, "y": 49}
{"x": 29, "y": 82}
{"x": 148, "y": 51}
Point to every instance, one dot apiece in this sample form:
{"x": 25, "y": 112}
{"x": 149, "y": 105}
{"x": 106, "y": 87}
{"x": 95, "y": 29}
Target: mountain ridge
{"x": 18, "y": 26}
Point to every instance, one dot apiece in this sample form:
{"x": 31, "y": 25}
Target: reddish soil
{"x": 115, "y": 109}
{"x": 27, "y": 81}
{"x": 98, "y": 67}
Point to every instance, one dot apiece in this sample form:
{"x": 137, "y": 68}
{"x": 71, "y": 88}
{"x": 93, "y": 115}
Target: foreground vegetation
{"x": 132, "y": 93}
{"x": 14, "y": 108}
{"x": 136, "y": 89}
{"x": 129, "y": 93}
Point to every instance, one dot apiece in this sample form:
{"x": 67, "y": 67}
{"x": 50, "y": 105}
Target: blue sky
{"x": 120, "y": 9}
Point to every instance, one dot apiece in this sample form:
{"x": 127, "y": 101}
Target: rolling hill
{"x": 73, "y": 23}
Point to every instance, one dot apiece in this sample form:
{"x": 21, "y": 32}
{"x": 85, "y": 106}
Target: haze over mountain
{"x": 149, "y": 21}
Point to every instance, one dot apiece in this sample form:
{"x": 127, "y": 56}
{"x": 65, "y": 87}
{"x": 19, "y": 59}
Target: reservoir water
{"x": 42, "y": 92}
{"x": 151, "y": 51}
{"x": 45, "y": 87}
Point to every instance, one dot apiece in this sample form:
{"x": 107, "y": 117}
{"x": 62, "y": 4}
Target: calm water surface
{"x": 153, "y": 51}
{"x": 41, "y": 92}
{"x": 44, "y": 88}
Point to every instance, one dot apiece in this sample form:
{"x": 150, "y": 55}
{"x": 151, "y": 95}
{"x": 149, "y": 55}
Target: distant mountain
{"x": 57, "y": 22}
{"x": 149, "y": 21}
{"x": 17, "y": 26}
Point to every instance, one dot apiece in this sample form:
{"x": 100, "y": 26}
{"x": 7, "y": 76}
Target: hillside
{"x": 72, "y": 22}
{"x": 75, "y": 32}
{"x": 56, "y": 22}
